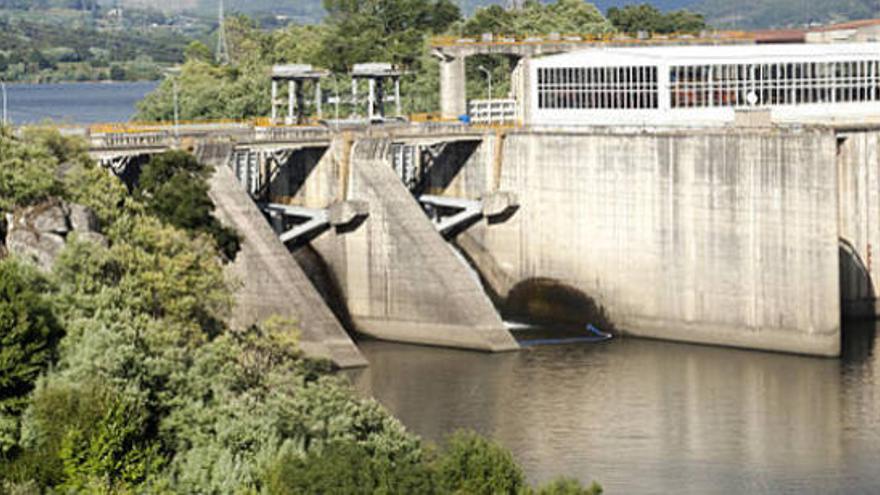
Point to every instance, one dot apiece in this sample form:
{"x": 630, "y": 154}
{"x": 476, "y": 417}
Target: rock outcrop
{"x": 40, "y": 232}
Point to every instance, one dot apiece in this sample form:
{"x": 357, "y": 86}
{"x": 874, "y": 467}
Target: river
{"x": 639, "y": 416}
{"x": 75, "y": 103}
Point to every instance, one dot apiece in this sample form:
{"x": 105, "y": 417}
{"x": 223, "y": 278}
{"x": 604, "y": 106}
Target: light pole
{"x": 489, "y": 102}
{"x": 336, "y": 101}
{"x": 172, "y": 74}
{"x": 5, "y": 115}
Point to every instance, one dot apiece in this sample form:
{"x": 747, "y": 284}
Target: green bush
{"x": 474, "y": 465}
{"x": 174, "y": 187}
{"x": 566, "y": 486}
{"x": 347, "y": 468}
{"x": 27, "y": 172}
{"x": 29, "y": 334}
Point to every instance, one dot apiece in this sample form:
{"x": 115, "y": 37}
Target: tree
{"x": 173, "y": 186}
{"x": 117, "y": 73}
{"x": 27, "y": 172}
{"x": 645, "y": 17}
{"x": 472, "y": 464}
{"x": 29, "y": 335}
{"x": 198, "y": 51}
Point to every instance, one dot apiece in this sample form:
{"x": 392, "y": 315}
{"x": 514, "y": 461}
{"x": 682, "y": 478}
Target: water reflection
{"x": 643, "y": 416}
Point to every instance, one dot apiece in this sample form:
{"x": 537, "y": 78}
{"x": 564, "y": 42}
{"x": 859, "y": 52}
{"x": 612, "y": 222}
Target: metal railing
{"x": 621, "y": 38}
{"x": 493, "y": 112}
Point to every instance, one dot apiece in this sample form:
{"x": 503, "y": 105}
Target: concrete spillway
{"x": 399, "y": 278}
{"x": 272, "y": 283}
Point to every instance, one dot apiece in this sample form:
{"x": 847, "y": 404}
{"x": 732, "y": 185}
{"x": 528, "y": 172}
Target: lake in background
{"x": 75, "y": 103}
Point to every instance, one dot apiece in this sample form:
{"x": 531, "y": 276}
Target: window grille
{"x": 740, "y": 85}
{"x": 579, "y": 88}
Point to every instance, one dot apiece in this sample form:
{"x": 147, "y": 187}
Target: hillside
{"x": 782, "y": 13}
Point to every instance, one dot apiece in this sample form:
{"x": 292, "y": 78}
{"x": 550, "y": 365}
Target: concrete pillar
{"x": 453, "y": 92}
{"x": 371, "y": 99}
{"x": 397, "y": 96}
{"x": 354, "y": 97}
{"x": 318, "y": 98}
{"x": 274, "y": 100}
{"x": 379, "y": 99}
{"x": 291, "y": 101}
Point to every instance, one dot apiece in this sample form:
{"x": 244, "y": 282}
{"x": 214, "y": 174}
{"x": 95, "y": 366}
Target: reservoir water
{"x": 75, "y": 103}
{"x": 643, "y": 416}
{"x": 638, "y": 416}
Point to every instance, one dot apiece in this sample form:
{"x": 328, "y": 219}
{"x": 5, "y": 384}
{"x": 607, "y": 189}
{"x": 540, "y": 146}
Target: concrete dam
{"x": 752, "y": 237}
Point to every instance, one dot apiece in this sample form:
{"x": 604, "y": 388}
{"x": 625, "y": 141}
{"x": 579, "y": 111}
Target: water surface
{"x": 75, "y": 103}
{"x": 644, "y": 416}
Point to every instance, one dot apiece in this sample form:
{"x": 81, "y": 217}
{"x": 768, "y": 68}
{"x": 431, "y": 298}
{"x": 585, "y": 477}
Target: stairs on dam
{"x": 272, "y": 283}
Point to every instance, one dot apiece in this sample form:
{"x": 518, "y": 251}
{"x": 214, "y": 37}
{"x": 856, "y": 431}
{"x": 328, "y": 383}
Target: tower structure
{"x": 222, "y": 53}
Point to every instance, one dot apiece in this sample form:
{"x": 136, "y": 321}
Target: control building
{"x": 700, "y": 85}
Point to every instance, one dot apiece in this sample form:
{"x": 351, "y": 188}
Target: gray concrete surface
{"x": 858, "y": 166}
{"x": 400, "y": 280}
{"x": 271, "y": 282}
{"x": 722, "y": 237}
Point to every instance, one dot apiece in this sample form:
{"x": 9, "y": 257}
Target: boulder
{"x": 82, "y": 218}
{"x": 47, "y": 217}
{"x": 39, "y": 232}
{"x": 41, "y": 247}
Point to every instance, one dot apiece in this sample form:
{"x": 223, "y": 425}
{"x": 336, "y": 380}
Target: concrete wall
{"x": 723, "y": 237}
{"x": 858, "y": 165}
{"x": 400, "y": 279}
{"x": 271, "y": 282}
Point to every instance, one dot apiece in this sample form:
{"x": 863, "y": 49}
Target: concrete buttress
{"x": 272, "y": 283}
{"x": 400, "y": 279}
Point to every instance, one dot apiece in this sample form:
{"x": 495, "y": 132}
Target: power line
{"x": 222, "y": 53}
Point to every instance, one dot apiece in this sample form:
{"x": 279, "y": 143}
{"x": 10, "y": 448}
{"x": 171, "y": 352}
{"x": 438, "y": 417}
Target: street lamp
{"x": 336, "y": 101}
{"x": 5, "y": 115}
{"x": 489, "y": 77}
{"x": 489, "y": 102}
{"x": 172, "y": 74}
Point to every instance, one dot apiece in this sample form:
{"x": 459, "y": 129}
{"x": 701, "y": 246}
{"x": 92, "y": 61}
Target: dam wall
{"x": 858, "y": 164}
{"x": 270, "y": 282}
{"x": 399, "y": 279}
{"x": 725, "y": 237}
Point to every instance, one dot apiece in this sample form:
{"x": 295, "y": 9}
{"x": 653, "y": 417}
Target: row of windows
{"x": 598, "y": 88}
{"x": 710, "y": 85}
{"x": 774, "y": 84}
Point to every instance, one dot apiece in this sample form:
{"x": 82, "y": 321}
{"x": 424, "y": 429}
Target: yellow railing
{"x": 423, "y": 118}
{"x": 260, "y": 122}
{"x": 146, "y": 127}
{"x": 518, "y": 39}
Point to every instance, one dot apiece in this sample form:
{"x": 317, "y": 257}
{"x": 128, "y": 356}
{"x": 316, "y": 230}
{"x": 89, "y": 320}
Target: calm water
{"x": 644, "y": 416}
{"x": 75, "y": 103}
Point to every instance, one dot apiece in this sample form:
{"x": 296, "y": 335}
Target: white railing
{"x": 493, "y": 111}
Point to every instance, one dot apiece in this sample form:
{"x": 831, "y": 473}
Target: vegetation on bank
{"x": 118, "y": 373}
{"x": 59, "y": 49}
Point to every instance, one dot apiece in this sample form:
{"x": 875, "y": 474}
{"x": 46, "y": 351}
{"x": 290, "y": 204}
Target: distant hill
{"x": 748, "y": 14}
{"x": 743, "y": 14}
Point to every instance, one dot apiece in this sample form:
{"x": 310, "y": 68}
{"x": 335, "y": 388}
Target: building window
{"x": 743, "y": 85}
{"x": 584, "y": 88}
